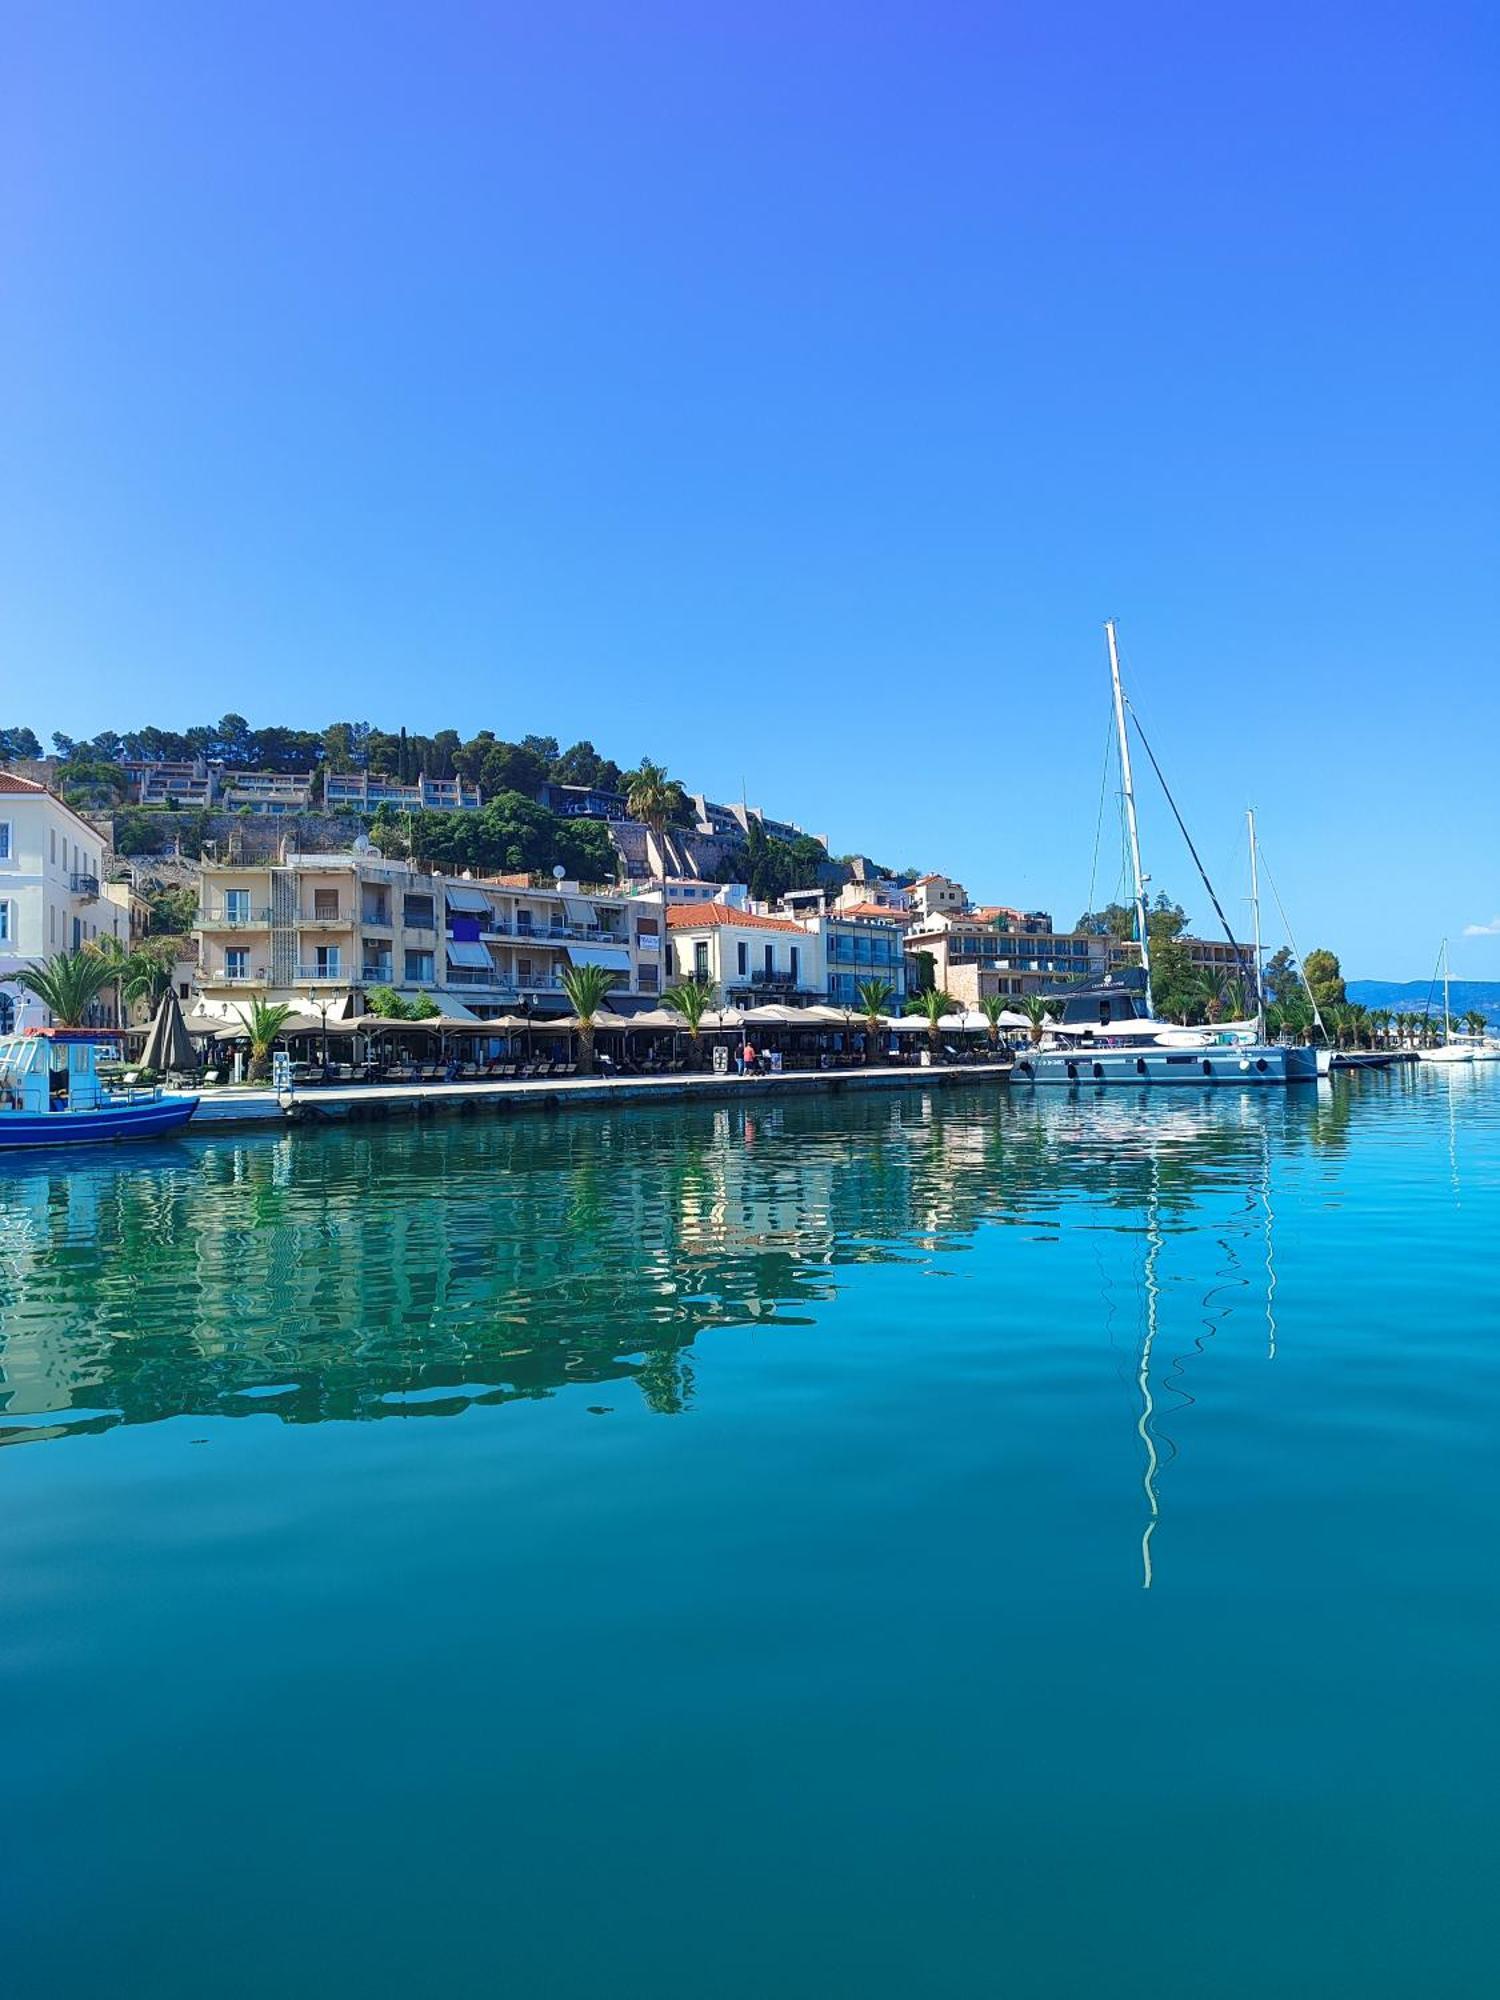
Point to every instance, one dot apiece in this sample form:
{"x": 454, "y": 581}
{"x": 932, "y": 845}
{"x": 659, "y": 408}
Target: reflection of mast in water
{"x": 1270, "y": 1214}
{"x": 1143, "y": 1377}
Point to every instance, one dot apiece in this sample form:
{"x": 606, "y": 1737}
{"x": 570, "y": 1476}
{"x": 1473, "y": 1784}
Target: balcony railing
{"x": 228, "y": 978}
{"x": 84, "y": 885}
{"x": 377, "y": 972}
{"x": 341, "y": 918}
{"x": 233, "y": 920}
{"x": 328, "y": 975}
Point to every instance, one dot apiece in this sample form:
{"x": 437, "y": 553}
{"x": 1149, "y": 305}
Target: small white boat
{"x": 1453, "y": 1048}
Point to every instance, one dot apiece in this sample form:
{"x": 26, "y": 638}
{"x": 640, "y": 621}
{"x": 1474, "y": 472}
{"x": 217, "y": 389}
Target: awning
{"x": 460, "y": 898}
{"x": 613, "y": 957}
{"x": 580, "y": 913}
{"x": 466, "y": 952}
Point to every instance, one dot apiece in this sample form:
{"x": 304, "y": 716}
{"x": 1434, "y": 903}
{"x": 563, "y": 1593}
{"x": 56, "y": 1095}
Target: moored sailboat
{"x": 1108, "y": 1033}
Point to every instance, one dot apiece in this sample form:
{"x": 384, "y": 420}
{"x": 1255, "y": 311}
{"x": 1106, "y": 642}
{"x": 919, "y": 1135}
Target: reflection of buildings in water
{"x": 527, "y": 1255}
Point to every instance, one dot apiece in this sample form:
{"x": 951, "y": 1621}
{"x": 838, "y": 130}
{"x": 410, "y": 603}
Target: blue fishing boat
{"x": 51, "y": 1094}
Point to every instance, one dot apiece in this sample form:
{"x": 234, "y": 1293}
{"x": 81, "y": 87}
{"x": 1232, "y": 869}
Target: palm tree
{"x": 586, "y": 987}
{"x": 934, "y": 1003}
{"x": 140, "y": 972}
{"x": 691, "y": 998}
{"x": 262, "y": 1024}
{"x": 874, "y": 996}
{"x": 992, "y": 1006}
{"x": 653, "y": 798}
{"x": 1475, "y": 1022}
{"x": 67, "y": 984}
{"x": 1038, "y": 1012}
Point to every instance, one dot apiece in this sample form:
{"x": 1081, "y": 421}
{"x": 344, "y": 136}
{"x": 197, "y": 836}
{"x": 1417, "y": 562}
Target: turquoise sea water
{"x": 706, "y": 1552}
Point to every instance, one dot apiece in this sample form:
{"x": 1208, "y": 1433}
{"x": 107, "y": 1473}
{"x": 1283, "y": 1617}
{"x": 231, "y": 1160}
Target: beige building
{"x": 50, "y": 894}
{"x": 936, "y": 895}
{"x": 322, "y": 929}
{"x": 974, "y": 958}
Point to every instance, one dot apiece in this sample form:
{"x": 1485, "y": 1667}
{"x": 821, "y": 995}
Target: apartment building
{"x": 746, "y": 957}
{"x": 1215, "y": 958}
{"x": 861, "y": 941}
{"x": 50, "y": 898}
{"x": 272, "y": 792}
{"x": 322, "y": 929}
{"x": 937, "y": 895}
{"x": 974, "y": 958}
{"x": 367, "y": 792}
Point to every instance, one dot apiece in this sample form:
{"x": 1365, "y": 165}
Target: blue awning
{"x": 614, "y": 958}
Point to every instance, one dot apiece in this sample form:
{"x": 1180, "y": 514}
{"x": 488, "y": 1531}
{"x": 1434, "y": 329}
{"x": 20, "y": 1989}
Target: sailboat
{"x": 1108, "y": 1034}
{"x": 1458, "y": 1048}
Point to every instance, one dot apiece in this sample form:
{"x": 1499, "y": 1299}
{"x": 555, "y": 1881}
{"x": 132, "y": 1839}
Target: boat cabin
{"x": 1105, "y": 1006}
{"x": 52, "y": 1069}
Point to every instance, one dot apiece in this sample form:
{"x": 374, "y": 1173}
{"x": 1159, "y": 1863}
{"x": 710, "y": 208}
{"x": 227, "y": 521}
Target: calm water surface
{"x": 908, "y": 1546}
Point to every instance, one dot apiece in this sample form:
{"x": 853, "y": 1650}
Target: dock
{"x": 313, "y": 1104}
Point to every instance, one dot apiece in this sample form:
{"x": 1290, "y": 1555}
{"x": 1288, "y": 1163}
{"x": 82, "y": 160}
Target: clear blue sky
{"x": 789, "y": 392}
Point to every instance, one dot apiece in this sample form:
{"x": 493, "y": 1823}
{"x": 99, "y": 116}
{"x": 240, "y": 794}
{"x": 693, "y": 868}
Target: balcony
{"x": 233, "y": 920}
{"x": 320, "y": 975}
{"x": 376, "y": 919}
{"x": 86, "y": 886}
{"x": 325, "y": 920}
{"x": 377, "y": 972}
{"x": 256, "y": 978}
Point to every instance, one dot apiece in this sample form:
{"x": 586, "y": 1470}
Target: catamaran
{"x": 51, "y": 1094}
{"x": 1108, "y": 1034}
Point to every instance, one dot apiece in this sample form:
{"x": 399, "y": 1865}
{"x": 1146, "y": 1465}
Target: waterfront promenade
{"x": 309, "y": 1104}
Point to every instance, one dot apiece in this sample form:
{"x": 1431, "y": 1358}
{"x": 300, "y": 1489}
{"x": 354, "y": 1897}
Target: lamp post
{"x": 320, "y": 1003}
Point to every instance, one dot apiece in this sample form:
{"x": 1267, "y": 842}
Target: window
{"x": 770, "y": 958}
{"x": 237, "y": 906}
{"x": 646, "y": 927}
{"x": 184, "y": 991}
{"x": 325, "y": 904}
{"x": 54, "y": 846}
{"x": 523, "y": 920}
{"x": 419, "y": 967}
{"x": 795, "y": 956}
{"x": 417, "y": 913}
{"x": 237, "y": 962}
{"x": 742, "y": 957}
{"x": 4, "y": 840}
{"x": 77, "y": 932}
{"x": 328, "y": 961}
{"x": 648, "y": 979}
{"x": 5, "y": 923}
{"x": 700, "y": 959}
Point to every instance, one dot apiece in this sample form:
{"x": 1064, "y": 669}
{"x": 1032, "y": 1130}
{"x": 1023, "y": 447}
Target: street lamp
{"x": 320, "y": 1002}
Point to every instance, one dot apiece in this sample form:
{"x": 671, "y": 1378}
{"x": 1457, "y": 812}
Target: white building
{"x": 747, "y": 958}
{"x": 49, "y": 893}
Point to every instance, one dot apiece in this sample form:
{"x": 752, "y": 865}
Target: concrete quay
{"x": 310, "y": 1104}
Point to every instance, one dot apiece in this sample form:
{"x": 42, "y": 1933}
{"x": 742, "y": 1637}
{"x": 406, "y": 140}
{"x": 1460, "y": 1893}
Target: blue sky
{"x": 790, "y": 392}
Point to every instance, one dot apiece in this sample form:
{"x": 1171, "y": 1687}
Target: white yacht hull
{"x": 1237, "y": 1065}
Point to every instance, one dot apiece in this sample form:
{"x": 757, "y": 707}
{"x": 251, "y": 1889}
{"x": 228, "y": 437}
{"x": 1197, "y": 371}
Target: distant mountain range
{"x": 1410, "y": 995}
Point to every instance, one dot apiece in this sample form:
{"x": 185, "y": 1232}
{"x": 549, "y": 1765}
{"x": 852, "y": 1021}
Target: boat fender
{"x": 1073, "y": 1071}
{"x": 1140, "y": 1066}
{"x": 1098, "y": 1069}
{"x": 1208, "y": 1068}
{"x": 1262, "y": 1065}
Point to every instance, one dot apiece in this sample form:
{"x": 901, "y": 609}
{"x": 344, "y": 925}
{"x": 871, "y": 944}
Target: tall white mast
{"x": 1130, "y": 824}
{"x": 1260, "y": 998}
{"x": 1447, "y": 1024}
